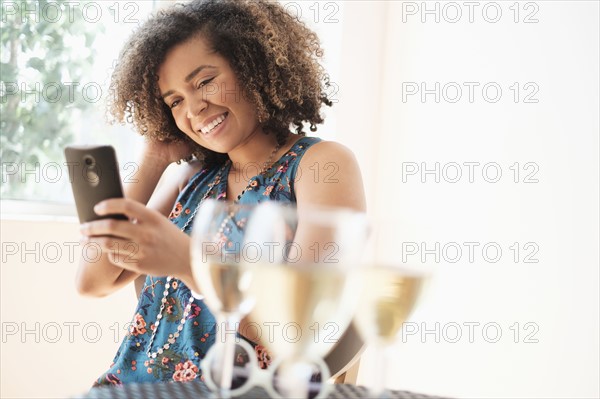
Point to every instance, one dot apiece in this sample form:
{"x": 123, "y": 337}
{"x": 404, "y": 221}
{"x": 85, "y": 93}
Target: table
{"x": 197, "y": 389}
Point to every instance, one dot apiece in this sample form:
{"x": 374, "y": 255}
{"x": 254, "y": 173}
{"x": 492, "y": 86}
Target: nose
{"x": 195, "y": 106}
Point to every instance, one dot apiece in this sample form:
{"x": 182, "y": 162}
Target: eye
{"x": 204, "y": 83}
{"x": 174, "y": 104}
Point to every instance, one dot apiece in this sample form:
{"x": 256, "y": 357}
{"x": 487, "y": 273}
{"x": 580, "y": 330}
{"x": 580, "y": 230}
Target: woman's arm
{"x": 107, "y": 274}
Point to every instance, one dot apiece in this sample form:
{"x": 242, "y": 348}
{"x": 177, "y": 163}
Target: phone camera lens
{"x": 89, "y": 160}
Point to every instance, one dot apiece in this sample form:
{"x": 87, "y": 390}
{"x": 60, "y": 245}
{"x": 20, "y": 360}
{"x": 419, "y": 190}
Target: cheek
{"x": 181, "y": 121}
{"x": 248, "y": 113}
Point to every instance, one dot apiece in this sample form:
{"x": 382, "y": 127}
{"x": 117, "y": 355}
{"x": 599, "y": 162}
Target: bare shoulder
{"x": 330, "y": 175}
{"x": 328, "y": 151}
{"x": 186, "y": 171}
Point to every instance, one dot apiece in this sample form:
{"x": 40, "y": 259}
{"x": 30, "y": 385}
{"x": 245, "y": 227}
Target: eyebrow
{"x": 189, "y": 77}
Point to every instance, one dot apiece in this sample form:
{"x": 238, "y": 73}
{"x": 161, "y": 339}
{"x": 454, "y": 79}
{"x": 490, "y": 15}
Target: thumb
{"x": 132, "y": 209}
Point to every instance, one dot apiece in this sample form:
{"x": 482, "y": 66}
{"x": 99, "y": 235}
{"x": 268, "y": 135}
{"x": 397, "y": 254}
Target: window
{"x": 56, "y": 59}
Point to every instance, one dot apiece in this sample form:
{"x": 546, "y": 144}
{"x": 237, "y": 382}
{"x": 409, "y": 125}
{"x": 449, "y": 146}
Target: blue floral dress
{"x": 181, "y": 361}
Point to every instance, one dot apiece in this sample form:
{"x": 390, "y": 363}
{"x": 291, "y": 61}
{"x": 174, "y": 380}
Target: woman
{"x": 224, "y": 82}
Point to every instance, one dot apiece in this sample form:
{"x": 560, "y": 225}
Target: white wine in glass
{"x": 388, "y": 297}
{"x": 229, "y": 280}
{"x": 390, "y": 292}
{"x": 305, "y": 286}
{"x": 221, "y": 274}
{"x": 309, "y": 296}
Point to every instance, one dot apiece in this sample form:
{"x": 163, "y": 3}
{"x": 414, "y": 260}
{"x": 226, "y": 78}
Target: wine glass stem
{"x": 380, "y": 377}
{"x": 229, "y": 325}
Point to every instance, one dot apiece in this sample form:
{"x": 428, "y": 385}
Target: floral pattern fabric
{"x": 181, "y": 361}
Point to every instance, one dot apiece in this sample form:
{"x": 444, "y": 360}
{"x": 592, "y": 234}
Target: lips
{"x": 207, "y": 128}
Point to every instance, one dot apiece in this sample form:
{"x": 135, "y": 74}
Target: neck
{"x": 257, "y": 149}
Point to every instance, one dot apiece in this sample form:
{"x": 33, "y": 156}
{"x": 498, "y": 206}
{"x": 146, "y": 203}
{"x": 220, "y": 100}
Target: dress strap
{"x": 291, "y": 160}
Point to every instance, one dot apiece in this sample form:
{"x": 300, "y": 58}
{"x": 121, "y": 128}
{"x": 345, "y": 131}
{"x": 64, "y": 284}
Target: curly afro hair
{"x": 274, "y": 56}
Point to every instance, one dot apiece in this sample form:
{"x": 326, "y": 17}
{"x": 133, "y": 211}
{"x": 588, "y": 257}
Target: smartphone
{"x": 94, "y": 176}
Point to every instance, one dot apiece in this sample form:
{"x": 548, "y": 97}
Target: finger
{"x": 124, "y": 259}
{"x": 124, "y": 253}
{"x": 115, "y": 244}
{"x": 109, "y": 227}
{"x": 130, "y": 208}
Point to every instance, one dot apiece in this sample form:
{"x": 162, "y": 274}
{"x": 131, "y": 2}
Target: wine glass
{"x": 304, "y": 285}
{"x": 218, "y": 269}
{"x": 390, "y": 292}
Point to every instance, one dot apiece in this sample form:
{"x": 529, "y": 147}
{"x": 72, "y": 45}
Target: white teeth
{"x": 208, "y": 128}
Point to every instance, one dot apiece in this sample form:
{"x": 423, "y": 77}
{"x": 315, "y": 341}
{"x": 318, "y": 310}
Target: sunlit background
{"x": 476, "y": 128}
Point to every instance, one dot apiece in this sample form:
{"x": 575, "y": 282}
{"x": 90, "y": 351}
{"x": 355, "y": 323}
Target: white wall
{"x": 558, "y": 214}
{"x": 55, "y": 343}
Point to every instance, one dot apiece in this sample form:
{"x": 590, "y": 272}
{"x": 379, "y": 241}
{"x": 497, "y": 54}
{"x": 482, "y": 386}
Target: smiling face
{"x": 205, "y": 98}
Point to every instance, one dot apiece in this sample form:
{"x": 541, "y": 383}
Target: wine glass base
{"x": 304, "y": 379}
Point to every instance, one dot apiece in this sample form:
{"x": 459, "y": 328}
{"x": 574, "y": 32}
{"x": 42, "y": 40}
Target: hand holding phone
{"x": 94, "y": 176}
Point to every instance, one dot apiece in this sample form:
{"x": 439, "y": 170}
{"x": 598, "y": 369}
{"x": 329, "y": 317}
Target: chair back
{"x": 345, "y": 353}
